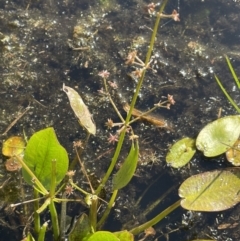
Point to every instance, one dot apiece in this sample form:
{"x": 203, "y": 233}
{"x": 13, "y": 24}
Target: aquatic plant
{"x": 46, "y": 162}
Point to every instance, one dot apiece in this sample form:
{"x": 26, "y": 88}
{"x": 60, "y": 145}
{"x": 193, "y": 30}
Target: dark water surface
{"x": 44, "y": 44}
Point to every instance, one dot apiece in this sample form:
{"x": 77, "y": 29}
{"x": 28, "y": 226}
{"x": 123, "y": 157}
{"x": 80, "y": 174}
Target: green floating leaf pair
{"x": 214, "y": 139}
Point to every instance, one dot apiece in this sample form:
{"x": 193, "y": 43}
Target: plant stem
{"x": 227, "y": 95}
{"x": 36, "y": 182}
{"x": 93, "y": 213}
{"x": 108, "y": 209}
{"x": 122, "y": 135}
{"x": 36, "y": 215}
{"x": 42, "y": 232}
{"x": 54, "y": 218}
{"x": 156, "y": 219}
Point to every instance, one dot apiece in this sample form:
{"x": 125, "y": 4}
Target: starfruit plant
{"x": 45, "y": 165}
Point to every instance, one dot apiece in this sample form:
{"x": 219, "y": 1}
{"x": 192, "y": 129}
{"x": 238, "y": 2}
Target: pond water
{"x": 44, "y": 44}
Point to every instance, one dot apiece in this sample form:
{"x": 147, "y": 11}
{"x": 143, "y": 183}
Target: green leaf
{"x": 81, "y": 230}
{"x": 124, "y": 235}
{"x": 103, "y": 236}
{"x": 211, "y": 191}
{"x": 233, "y": 72}
{"x": 127, "y": 170}
{"x": 80, "y": 110}
{"x": 233, "y": 154}
{"x": 226, "y": 94}
{"x": 218, "y": 136}
{"x": 181, "y": 152}
{"x": 42, "y": 148}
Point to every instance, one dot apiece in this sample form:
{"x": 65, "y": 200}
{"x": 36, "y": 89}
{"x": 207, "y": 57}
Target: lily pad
{"x": 13, "y": 146}
{"x": 181, "y": 152}
{"x": 218, "y": 136}
{"x": 233, "y": 154}
{"x": 211, "y": 191}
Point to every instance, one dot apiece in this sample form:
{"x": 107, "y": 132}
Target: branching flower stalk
{"x": 140, "y": 82}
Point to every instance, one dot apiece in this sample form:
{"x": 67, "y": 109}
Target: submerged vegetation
{"x": 73, "y": 197}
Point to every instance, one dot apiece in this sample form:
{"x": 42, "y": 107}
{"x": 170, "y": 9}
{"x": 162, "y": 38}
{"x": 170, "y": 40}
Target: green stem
{"x": 93, "y": 212}
{"x": 122, "y": 135}
{"x": 36, "y": 215}
{"x": 54, "y": 218}
{"x": 78, "y": 188}
{"x": 156, "y": 219}
{"x": 36, "y": 182}
{"x": 227, "y": 95}
{"x": 108, "y": 209}
{"x": 233, "y": 72}
{"x": 42, "y": 232}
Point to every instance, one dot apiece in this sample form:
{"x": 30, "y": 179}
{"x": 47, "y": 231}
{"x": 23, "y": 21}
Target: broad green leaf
{"x": 233, "y": 154}
{"x": 13, "y": 146}
{"x": 218, "y": 136}
{"x": 81, "y": 229}
{"x": 42, "y": 148}
{"x": 181, "y": 152}
{"x": 103, "y": 236}
{"x": 127, "y": 170}
{"x": 211, "y": 191}
{"x": 80, "y": 110}
{"x": 124, "y": 235}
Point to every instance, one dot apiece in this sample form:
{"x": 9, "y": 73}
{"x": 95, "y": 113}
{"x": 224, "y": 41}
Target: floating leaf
{"x": 124, "y": 235}
{"x": 81, "y": 230}
{"x": 42, "y": 148}
{"x": 13, "y": 146}
{"x": 80, "y": 110}
{"x": 103, "y": 236}
{"x": 233, "y": 154}
{"x": 12, "y": 164}
{"x": 181, "y": 152}
{"x": 211, "y": 191}
{"x": 127, "y": 170}
{"x": 218, "y": 136}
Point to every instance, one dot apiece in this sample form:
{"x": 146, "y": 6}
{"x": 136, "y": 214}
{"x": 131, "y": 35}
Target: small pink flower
{"x": 113, "y": 84}
{"x": 112, "y": 139}
{"x": 104, "y": 74}
{"x": 170, "y": 99}
{"x": 175, "y": 16}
